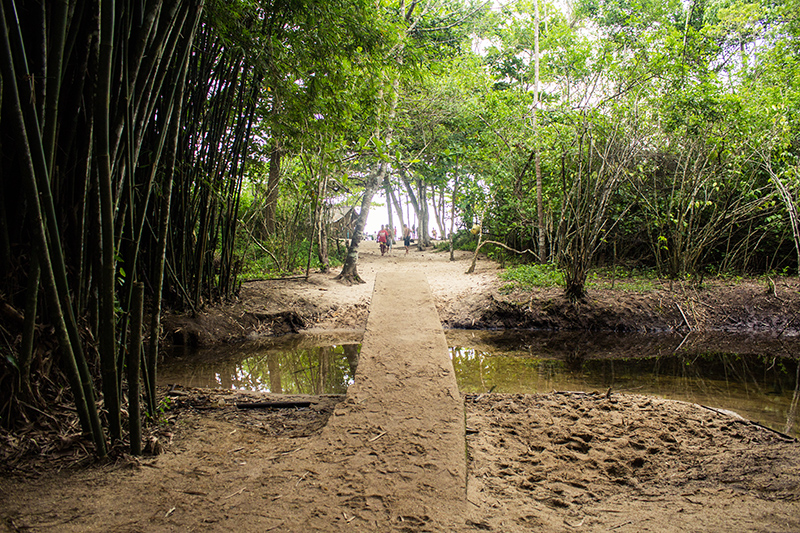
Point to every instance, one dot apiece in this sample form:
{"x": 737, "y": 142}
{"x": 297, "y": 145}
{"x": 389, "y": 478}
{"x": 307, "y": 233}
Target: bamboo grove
{"x": 126, "y": 129}
{"x": 155, "y": 152}
{"x": 93, "y": 111}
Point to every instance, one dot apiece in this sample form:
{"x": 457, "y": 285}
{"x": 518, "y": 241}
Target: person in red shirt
{"x": 383, "y": 239}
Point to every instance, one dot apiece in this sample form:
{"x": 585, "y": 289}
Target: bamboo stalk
{"x": 134, "y": 357}
{"x": 108, "y": 324}
{"x": 151, "y": 357}
{"x": 29, "y": 328}
{"x": 37, "y": 190}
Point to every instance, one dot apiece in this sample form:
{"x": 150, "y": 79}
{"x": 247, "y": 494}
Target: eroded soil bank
{"x": 547, "y": 462}
{"x": 478, "y": 301}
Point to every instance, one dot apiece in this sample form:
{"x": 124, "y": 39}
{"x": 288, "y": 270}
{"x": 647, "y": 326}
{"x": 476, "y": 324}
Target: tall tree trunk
{"x": 349, "y": 273}
{"x": 423, "y": 238}
{"x": 134, "y": 359}
{"x": 539, "y": 203}
{"x": 397, "y": 207}
{"x": 413, "y": 199}
{"x": 151, "y": 357}
{"x": 438, "y": 210}
{"x": 55, "y": 61}
{"x": 471, "y": 268}
{"x": 387, "y": 190}
{"x": 313, "y": 235}
{"x": 29, "y": 327}
{"x": 273, "y": 181}
{"x": 321, "y": 222}
{"x": 453, "y": 212}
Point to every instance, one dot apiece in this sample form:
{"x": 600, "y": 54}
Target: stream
{"x": 755, "y": 376}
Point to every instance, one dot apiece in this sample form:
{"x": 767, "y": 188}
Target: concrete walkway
{"x": 393, "y": 455}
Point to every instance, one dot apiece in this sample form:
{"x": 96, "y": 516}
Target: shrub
{"x": 527, "y": 277}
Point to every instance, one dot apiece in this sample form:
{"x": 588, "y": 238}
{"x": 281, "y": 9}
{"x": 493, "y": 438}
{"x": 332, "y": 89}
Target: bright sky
{"x": 379, "y": 214}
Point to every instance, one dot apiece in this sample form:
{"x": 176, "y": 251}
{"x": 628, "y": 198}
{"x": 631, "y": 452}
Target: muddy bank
{"x": 745, "y": 306}
{"x": 477, "y": 301}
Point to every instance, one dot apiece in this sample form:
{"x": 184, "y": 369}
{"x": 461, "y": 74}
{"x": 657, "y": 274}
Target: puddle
{"x": 756, "y": 376}
{"x": 294, "y": 365}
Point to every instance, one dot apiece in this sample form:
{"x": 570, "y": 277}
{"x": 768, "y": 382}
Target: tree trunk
{"x": 453, "y": 211}
{"x": 471, "y": 268}
{"x": 270, "y": 209}
{"x": 320, "y": 221}
{"x": 539, "y": 204}
{"x": 414, "y": 203}
{"x": 423, "y": 238}
{"x": 322, "y": 248}
{"x": 397, "y": 206}
{"x": 29, "y": 328}
{"x": 349, "y": 273}
{"x": 387, "y": 190}
{"x": 438, "y": 210}
{"x": 314, "y": 233}
{"x": 151, "y": 359}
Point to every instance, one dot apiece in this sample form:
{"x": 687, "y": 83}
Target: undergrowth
{"x": 531, "y": 276}
{"x": 527, "y": 277}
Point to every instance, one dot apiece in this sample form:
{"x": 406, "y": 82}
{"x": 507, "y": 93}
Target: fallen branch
{"x": 525, "y": 251}
{"x": 739, "y": 418}
{"x": 685, "y": 320}
{"x": 471, "y": 269}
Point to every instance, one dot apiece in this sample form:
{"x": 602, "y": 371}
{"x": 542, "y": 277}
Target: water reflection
{"x": 291, "y": 367}
{"x": 758, "y": 377}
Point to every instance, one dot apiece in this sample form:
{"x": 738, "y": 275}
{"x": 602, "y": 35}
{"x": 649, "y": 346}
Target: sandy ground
{"x": 551, "y": 462}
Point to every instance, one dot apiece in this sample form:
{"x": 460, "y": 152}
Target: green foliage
{"x": 527, "y": 277}
{"x": 464, "y": 240}
{"x": 604, "y": 280}
{"x": 159, "y": 417}
{"x": 285, "y": 259}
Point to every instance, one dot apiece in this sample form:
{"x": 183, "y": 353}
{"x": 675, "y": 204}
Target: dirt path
{"x": 546, "y": 462}
{"x": 392, "y": 455}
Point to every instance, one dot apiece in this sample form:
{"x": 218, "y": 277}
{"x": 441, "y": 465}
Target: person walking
{"x": 406, "y": 237}
{"x": 383, "y": 238}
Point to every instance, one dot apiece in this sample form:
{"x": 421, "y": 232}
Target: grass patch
{"x": 624, "y": 280}
{"x": 526, "y": 277}
{"x": 529, "y": 277}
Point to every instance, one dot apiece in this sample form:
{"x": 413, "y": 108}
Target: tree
{"x": 419, "y": 24}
